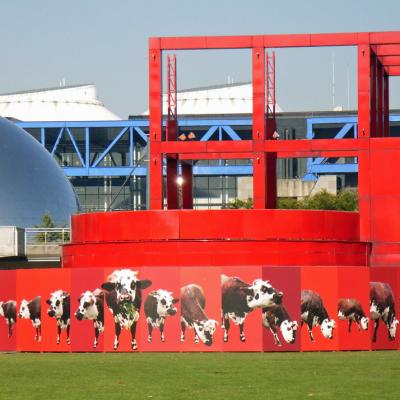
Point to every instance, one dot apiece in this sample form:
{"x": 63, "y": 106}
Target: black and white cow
{"x": 59, "y": 308}
{"x": 32, "y": 310}
{"x": 91, "y": 307}
{"x": 8, "y": 310}
{"x": 351, "y": 310}
{"x": 193, "y": 303}
{"x": 313, "y": 313}
{"x": 124, "y": 298}
{"x": 240, "y": 298}
{"x": 159, "y": 305}
{"x": 382, "y": 307}
{"x": 275, "y": 317}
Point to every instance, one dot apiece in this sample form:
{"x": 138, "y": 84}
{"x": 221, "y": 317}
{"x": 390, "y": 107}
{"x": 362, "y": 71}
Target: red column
{"x": 374, "y": 94}
{"x": 364, "y": 131}
{"x": 364, "y": 91}
{"x": 379, "y": 121}
{"x": 187, "y": 185}
{"x": 172, "y": 187}
{"x": 386, "y": 109}
{"x": 155, "y": 132}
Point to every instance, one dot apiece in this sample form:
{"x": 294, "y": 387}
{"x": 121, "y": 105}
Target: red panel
{"x": 388, "y": 276}
{"x": 8, "y": 293}
{"x": 390, "y": 60}
{"x": 393, "y": 71}
{"x": 167, "y": 279}
{"x": 324, "y": 282}
{"x": 29, "y": 286}
{"x": 53, "y": 280}
{"x": 286, "y": 280}
{"x": 252, "y": 324}
{"x": 125, "y": 338}
{"x": 353, "y": 283}
{"x": 82, "y": 331}
{"x": 209, "y": 281}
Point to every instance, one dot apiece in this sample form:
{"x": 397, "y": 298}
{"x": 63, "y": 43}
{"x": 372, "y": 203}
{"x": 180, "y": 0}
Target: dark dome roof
{"x": 32, "y": 183}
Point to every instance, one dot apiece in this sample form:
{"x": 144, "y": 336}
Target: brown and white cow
{"x": 240, "y": 298}
{"x": 313, "y": 313}
{"x": 91, "y": 307}
{"x": 8, "y": 310}
{"x": 193, "y": 303}
{"x": 32, "y": 310}
{"x": 351, "y": 310}
{"x": 124, "y": 298}
{"x": 275, "y": 317}
{"x": 382, "y": 307}
{"x": 59, "y": 308}
{"x": 159, "y": 305}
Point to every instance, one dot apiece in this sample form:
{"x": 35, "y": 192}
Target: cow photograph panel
{"x": 353, "y": 322}
{"x": 56, "y": 309}
{"x": 29, "y": 310}
{"x": 200, "y": 304}
{"x": 319, "y": 295}
{"x": 87, "y": 310}
{"x": 244, "y": 293}
{"x": 124, "y": 289}
{"x": 281, "y": 321}
{"x": 8, "y": 311}
{"x": 384, "y": 311}
{"x": 159, "y": 324}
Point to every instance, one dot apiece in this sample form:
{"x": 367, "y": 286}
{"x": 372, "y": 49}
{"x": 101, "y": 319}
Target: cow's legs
{"x": 133, "y": 336}
{"x": 117, "y": 333}
{"x": 58, "y": 333}
{"x": 376, "y": 324}
{"x": 162, "y": 332}
{"x": 350, "y": 321}
{"x": 241, "y": 332}
{"x": 310, "y": 326}
{"x": 68, "y": 329}
{"x": 10, "y": 324}
{"x": 183, "y": 328}
{"x": 150, "y": 328}
{"x": 96, "y": 337}
{"x": 276, "y": 338}
{"x": 226, "y": 325}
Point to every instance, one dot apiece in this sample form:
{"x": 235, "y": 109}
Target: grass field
{"x": 190, "y": 376}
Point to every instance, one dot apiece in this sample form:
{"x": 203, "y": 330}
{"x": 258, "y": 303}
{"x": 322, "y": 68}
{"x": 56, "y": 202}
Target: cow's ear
{"x": 48, "y": 302}
{"x": 108, "y": 286}
{"x": 143, "y": 284}
{"x": 174, "y": 301}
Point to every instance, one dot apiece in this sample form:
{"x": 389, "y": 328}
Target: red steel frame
{"x": 378, "y": 58}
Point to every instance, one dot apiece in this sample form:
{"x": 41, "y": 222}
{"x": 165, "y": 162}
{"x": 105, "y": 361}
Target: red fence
{"x": 322, "y": 284}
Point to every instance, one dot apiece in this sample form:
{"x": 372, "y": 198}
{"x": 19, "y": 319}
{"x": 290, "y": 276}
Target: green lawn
{"x": 190, "y": 376}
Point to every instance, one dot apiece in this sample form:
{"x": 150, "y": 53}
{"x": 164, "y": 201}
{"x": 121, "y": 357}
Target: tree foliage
{"x": 345, "y": 200}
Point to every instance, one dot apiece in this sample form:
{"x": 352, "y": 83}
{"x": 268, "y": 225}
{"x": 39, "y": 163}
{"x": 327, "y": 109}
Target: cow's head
{"x": 327, "y": 327}
{"x": 125, "y": 283}
{"x": 205, "y": 330}
{"x": 165, "y": 303}
{"x": 262, "y": 294}
{"x": 393, "y": 328}
{"x": 24, "y": 310}
{"x": 55, "y": 303}
{"x": 87, "y": 307}
{"x": 288, "y": 330}
{"x": 364, "y": 323}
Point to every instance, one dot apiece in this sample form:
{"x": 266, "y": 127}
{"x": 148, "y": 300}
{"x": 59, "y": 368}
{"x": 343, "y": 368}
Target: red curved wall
{"x": 215, "y": 237}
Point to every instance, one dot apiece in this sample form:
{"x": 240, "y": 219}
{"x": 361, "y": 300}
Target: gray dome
{"x": 32, "y": 183}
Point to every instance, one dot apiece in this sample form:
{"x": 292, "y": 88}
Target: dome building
{"x": 32, "y": 183}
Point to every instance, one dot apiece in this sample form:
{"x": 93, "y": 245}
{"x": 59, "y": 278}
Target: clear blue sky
{"x": 105, "y": 42}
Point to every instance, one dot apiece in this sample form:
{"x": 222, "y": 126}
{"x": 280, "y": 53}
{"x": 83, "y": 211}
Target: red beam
{"x": 388, "y": 50}
{"x": 393, "y": 71}
{"x": 390, "y": 60}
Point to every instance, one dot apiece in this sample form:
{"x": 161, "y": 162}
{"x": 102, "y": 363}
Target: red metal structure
{"x": 379, "y": 191}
